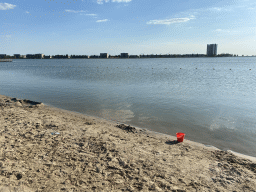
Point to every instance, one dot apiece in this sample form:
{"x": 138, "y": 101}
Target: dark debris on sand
{"x": 25, "y": 102}
{"x": 127, "y": 128}
{"x": 232, "y": 159}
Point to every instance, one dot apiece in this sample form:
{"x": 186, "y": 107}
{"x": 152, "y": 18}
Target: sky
{"x": 91, "y": 27}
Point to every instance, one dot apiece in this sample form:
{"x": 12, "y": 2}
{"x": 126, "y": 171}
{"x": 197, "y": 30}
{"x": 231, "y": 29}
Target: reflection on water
{"x": 117, "y": 115}
{"x": 199, "y": 96}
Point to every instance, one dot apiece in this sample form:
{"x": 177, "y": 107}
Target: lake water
{"x": 211, "y": 100}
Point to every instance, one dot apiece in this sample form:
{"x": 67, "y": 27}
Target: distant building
{"x": 16, "y": 56}
{"x": 39, "y": 56}
{"x": 165, "y": 56}
{"x": 104, "y": 55}
{"x": 225, "y": 55}
{"x": 94, "y": 56}
{"x": 61, "y": 56}
{"x": 211, "y": 50}
{"x": 124, "y": 55}
{"x": 114, "y": 56}
{"x": 79, "y": 56}
{"x": 30, "y": 56}
{"x": 35, "y": 56}
{"x": 47, "y": 57}
{"x": 2, "y": 56}
{"x": 201, "y": 55}
{"x": 134, "y": 56}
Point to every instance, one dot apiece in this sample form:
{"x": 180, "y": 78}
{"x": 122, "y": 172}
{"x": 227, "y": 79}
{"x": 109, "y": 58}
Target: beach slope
{"x": 49, "y": 149}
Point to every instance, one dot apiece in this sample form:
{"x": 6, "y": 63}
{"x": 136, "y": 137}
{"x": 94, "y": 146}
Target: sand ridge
{"x": 48, "y": 149}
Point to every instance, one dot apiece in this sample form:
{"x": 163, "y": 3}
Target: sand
{"x": 49, "y": 149}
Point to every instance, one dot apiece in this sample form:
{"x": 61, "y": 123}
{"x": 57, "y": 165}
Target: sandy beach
{"x": 49, "y": 149}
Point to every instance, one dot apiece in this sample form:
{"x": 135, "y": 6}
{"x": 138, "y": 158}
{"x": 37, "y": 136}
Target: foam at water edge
{"x": 243, "y": 156}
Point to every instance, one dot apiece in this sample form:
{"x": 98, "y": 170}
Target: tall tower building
{"x": 211, "y": 50}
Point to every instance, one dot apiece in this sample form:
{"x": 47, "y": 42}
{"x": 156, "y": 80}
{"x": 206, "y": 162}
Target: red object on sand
{"x": 180, "y": 137}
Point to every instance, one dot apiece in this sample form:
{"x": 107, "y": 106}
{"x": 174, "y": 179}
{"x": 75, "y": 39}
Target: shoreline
{"x": 44, "y": 148}
{"x": 252, "y": 158}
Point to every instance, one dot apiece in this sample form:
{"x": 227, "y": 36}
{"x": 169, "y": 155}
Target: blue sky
{"x": 135, "y": 26}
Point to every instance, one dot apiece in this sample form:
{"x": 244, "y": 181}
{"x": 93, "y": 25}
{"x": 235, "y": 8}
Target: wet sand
{"x": 49, "y": 149}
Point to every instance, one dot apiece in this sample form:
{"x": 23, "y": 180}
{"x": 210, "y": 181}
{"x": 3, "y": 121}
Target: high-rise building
{"x": 211, "y": 50}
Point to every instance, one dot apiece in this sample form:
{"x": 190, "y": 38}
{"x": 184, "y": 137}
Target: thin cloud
{"x": 209, "y": 10}
{"x": 73, "y": 11}
{"x": 27, "y": 12}
{"x": 227, "y": 31}
{"x": 114, "y": 1}
{"x": 103, "y": 20}
{"x": 6, "y": 6}
{"x": 122, "y": 1}
{"x": 6, "y": 36}
{"x": 219, "y": 9}
{"x": 93, "y": 15}
{"x": 222, "y": 30}
{"x": 102, "y": 1}
{"x": 215, "y": 9}
{"x": 168, "y": 21}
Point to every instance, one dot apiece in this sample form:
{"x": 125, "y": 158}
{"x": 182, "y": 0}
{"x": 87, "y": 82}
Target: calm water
{"x": 212, "y": 100}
